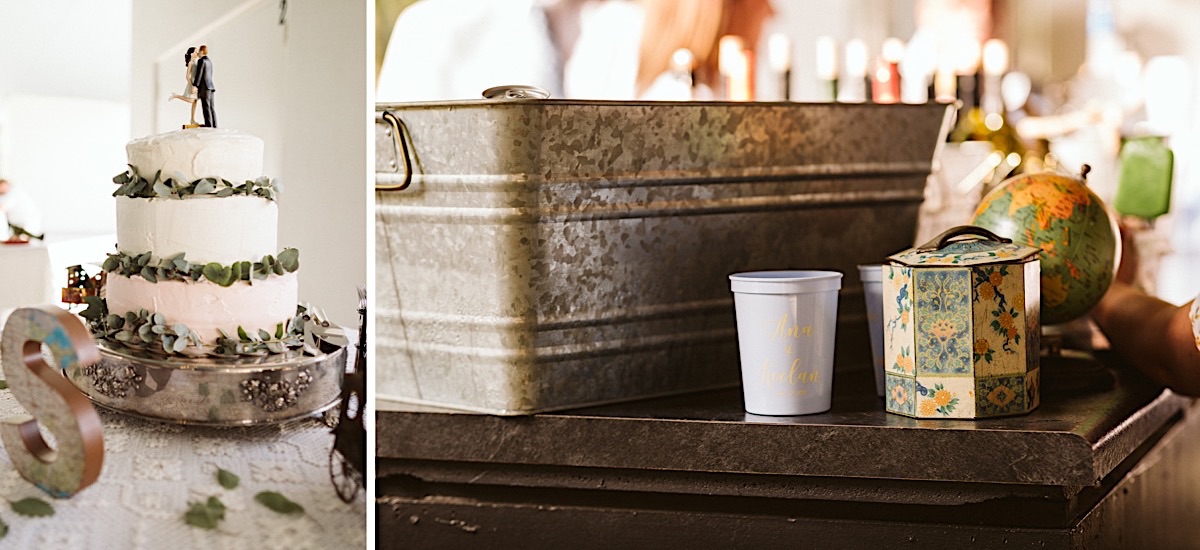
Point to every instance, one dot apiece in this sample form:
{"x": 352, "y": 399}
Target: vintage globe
{"x": 1078, "y": 238}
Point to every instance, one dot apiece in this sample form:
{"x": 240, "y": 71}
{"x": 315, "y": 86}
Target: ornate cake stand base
{"x": 213, "y": 391}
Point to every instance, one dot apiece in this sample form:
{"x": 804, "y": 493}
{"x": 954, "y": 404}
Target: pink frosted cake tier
{"x": 204, "y": 307}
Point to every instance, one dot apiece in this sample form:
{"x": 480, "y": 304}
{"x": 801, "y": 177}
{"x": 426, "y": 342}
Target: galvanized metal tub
{"x": 550, "y": 254}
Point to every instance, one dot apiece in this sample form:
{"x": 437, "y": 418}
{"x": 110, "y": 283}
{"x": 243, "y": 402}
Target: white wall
{"x": 303, "y": 89}
{"x": 65, "y": 48}
{"x": 64, "y": 151}
{"x": 64, "y": 116}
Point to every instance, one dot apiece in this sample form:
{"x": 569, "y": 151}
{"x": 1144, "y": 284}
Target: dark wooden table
{"x": 1116, "y": 465}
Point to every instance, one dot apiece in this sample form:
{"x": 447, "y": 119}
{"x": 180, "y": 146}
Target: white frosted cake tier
{"x": 206, "y": 229}
{"x": 198, "y": 153}
{"x": 205, "y": 307}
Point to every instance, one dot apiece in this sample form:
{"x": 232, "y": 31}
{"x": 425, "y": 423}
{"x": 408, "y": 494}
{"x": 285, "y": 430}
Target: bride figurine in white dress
{"x": 189, "y": 91}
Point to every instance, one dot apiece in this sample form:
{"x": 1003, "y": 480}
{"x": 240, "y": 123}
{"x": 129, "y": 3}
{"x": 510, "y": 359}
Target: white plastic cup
{"x": 786, "y": 322}
{"x": 872, "y": 281}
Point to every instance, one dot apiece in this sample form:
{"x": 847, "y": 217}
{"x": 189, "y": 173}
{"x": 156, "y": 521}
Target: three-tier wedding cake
{"x": 197, "y": 267}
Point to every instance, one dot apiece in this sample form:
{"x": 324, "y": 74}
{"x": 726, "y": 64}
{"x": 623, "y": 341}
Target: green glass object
{"x": 1144, "y": 184}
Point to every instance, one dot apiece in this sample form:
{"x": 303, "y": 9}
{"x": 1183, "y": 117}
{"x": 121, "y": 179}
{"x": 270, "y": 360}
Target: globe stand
{"x": 1071, "y": 371}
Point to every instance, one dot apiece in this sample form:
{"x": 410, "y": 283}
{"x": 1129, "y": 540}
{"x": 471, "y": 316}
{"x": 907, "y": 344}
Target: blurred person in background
{"x": 1159, "y": 338}
{"x": 17, "y": 211}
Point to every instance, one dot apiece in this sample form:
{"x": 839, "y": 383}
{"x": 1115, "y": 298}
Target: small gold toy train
{"x": 80, "y": 285}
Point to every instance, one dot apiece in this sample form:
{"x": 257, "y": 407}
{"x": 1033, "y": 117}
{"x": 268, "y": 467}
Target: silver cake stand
{"x": 213, "y": 391}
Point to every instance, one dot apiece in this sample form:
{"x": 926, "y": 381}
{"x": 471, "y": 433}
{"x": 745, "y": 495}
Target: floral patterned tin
{"x": 961, "y": 327}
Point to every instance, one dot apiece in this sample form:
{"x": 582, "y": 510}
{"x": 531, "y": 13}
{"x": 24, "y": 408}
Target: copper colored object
{"x": 78, "y": 456}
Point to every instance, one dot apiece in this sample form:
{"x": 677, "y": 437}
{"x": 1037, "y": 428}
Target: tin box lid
{"x": 985, "y": 248}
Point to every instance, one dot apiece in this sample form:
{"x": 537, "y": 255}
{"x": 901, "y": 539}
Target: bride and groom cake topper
{"x": 199, "y": 86}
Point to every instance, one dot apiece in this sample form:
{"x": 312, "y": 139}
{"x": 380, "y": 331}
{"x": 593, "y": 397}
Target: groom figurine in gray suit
{"x": 202, "y": 80}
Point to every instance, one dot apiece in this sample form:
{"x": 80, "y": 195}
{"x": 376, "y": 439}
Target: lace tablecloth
{"x": 153, "y": 470}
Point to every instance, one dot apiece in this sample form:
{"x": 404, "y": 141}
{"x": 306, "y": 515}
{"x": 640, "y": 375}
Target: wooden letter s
{"x": 51, "y": 400}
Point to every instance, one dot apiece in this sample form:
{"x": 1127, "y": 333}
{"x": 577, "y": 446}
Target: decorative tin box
{"x": 962, "y": 326}
{"x": 534, "y": 255}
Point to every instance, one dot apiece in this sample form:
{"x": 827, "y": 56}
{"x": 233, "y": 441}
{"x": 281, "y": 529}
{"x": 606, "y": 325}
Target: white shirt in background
{"x": 456, "y": 49}
{"x": 18, "y": 208}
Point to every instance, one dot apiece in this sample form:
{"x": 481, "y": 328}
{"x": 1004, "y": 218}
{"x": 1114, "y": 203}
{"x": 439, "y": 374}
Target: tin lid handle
{"x": 941, "y": 241}
{"x": 516, "y": 91}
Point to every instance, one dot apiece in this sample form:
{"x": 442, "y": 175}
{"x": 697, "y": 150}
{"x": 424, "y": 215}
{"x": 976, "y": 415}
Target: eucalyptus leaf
{"x": 33, "y": 507}
{"x": 111, "y": 263}
{"x": 242, "y": 334}
{"x": 216, "y": 506}
{"x": 168, "y": 342}
{"x": 159, "y": 319}
{"x": 279, "y": 331}
{"x": 227, "y": 479}
{"x": 179, "y": 345}
{"x": 278, "y": 503}
{"x": 161, "y": 189}
{"x": 96, "y": 308}
{"x": 205, "y": 515}
{"x": 124, "y": 336}
{"x": 218, "y": 274}
{"x": 225, "y": 192}
{"x": 290, "y": 259}
{"x": 247, "y": 269}
{"x": 123, "y": 178}
{"x": 204, "y": 187}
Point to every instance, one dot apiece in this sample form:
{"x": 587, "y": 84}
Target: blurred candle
{"x": 995, "y": 64}
{"x": 827, "y": 66}
{"x": 734, "y": 65}
{"x": 995, "y": 57}
{"x": 854, "y": 89}
{"x": 679, "y": 86}
{"x": 779, "y": 58}
{"x": 945, "y": 85}
{"x": 886, "y": 84}
{"x": 918, "y": 64}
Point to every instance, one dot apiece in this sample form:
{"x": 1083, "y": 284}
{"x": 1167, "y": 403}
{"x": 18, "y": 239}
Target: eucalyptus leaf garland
{"x": 263, "y": 342}
{"x": 153, "y": 332}
{"x": 177, "y": 268}
{"x": 135, "y": 185}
